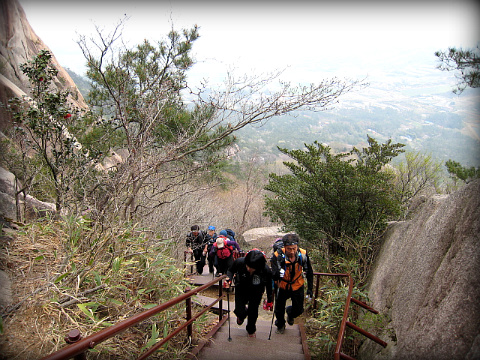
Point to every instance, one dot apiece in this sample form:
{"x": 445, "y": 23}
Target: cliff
{"x": 426, "y": 282}
{"x": 18, "y": 44}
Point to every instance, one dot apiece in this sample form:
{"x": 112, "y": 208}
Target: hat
{"x": 255, "y": 259}
{"x": 290, "y": 239}
{"x": 211, "y": 227}
{"x": 220, "y": 242}
{"x": 195, "y": 228}
{"x": 224, "y": 233}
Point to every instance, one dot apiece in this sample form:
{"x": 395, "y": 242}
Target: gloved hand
{"x": 226, "y": 283}
{"x": 309, "y": 293}
{"x": 268, "y": 305}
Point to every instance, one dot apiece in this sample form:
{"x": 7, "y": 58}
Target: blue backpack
{"x": 228, "y": 233}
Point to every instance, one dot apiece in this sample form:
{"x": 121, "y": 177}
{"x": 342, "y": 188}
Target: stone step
{"x": 241, "y": 347}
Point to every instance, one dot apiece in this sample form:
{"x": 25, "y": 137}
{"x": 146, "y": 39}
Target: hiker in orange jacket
{"x": 289, "y": 265}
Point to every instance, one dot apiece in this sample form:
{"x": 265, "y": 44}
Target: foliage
{"x": 327, "y": 197}
{"x": 100, "y": 268}
{"x": 377, "y": 324}
{"x": 324, "y": 323}
{"x": 467, "y": 61}
{"x": 457, "y": 171}
{"x": 45, "y": 127}
{"x": 418, "y": 174}
{"x": 136, "y": 98}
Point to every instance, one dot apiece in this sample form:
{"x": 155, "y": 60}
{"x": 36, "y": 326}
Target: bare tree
{"x": 168, "y": 143}
{"x": 418, "y": 174}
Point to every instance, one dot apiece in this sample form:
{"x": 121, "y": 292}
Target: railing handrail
{"x": 94, "y": 339}
{"x": 344, "y": 323}
{"x": 81, "y": 346}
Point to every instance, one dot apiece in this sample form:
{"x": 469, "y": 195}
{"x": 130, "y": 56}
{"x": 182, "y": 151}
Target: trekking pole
{"x": 273, "y": 313}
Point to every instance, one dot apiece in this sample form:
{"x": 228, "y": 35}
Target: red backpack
{"x": 224, "y": 252}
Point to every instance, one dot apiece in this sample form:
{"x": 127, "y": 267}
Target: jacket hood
{"x": 255, "y": 259}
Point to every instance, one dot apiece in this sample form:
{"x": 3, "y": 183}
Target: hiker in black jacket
{"x": 196, "y": 242}
{"x": 252, "y": 276}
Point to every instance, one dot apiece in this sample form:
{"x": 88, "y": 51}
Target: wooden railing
{"x": 78, "y": 346}
{"x": 344, "y": 323}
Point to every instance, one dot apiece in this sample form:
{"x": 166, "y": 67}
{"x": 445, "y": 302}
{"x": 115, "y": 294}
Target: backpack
{"x": 224, "y": 252}
{"x": 281, "y": 257}
{"x": 228, "y": 233}
{"x": 277, "y": 245}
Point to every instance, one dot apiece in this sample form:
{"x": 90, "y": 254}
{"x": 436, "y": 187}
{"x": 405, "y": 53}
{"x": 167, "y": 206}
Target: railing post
{"x": 188, "y": 311}
{"x": 316, "y": 292}
{"x": 220, "y": 303}
{"x": 185, "y": 261}
{"x": 72, "y": 337}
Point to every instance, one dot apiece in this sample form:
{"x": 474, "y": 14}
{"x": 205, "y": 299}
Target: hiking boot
{"x": 290, "y": 320}
{"x": 280, "y": 330}
{"x": 240, "y": 321}
{"x": 252, "y": 335}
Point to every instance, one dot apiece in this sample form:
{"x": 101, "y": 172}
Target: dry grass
{"x": 30, "y": 264}
{"x": 36, "y": 324}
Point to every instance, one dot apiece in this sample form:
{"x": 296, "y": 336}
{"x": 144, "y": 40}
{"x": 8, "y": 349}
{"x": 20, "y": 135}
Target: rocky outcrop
{"x": 426, "y": 281}
{"x": 18, "y": 44}
{"x": 272, "y": 233}
{"x": 10, "y": 203}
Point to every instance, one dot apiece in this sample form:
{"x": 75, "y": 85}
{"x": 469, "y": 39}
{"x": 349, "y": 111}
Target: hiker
{"x": 230, "y": 234}
{"x": 196, "y": 242}
{"x": 222, "y": 250}
{"x": 252, "y": 277}
{"x": 211, "y": 238}
{"x": 289, "y": 265}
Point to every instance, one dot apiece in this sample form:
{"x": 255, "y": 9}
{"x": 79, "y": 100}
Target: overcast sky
{"x": 311, "y": 38}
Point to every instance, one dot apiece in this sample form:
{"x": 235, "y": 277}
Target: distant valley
{"x": 406, "y": 106}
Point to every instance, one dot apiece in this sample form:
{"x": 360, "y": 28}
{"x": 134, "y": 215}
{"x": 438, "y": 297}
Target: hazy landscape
{"x": 414, "y": 106}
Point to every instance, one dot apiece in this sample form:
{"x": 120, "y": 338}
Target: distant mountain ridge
{"x": 424, "y": 117}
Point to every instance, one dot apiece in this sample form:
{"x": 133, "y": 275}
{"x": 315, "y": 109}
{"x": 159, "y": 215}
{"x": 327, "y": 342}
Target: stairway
{"x": 291, "y": 345}
{"x": 241, "y": 347}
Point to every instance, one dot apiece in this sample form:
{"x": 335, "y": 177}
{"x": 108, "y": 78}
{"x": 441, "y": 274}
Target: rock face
{"x": 18, "y": 44}
{"x": 272, "y": 232}
{"x": 8, "y": 204}
{"x": 426, "y": 279}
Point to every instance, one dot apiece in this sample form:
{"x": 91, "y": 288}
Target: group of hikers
{"x": 220, "y": 250}
{"x": 282, "y": 276}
